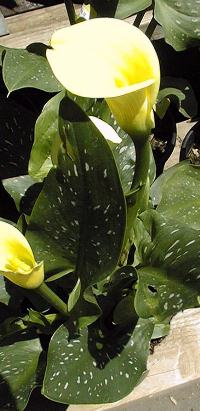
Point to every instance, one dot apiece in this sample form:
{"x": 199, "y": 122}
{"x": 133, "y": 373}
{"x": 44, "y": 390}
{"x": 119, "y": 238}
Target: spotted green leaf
{"x": 49, "y": 232}
{"x": 84, "y": 369}
{"x": 180, "y": 21}
{"x": 18, "y": 367}
{"x": 24, "y": 192}
{"x": 177, "y": 194}
{"x": 79, "y": 217}
{"x": 124, "y": 152}
{"x": 46, "y": 139}
{"x": 169, "y": 266}
{"x": 29, "y": 68}
{"x": 45, "y": 135}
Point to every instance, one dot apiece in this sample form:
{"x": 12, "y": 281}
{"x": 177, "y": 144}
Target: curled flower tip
{"x": 17, "y": 262}
{"x": 111, "y": 59}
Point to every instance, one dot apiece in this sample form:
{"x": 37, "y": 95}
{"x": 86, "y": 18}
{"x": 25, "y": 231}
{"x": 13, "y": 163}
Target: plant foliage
{"x": 123, "y": 259}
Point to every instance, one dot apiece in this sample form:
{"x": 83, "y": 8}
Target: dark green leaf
{"x": 169, "y": 278}
{"x": 85, "y": 369}
{"x": 124, "y": 152}
{"x": 119, "y": 8}
{"x": 11, "y": 325}
{"x": 177, "y": 193}
{"x": 127, "y": 8}
{"x": 16, "y": 138}
{"x": 46, "y": 133}
{"x": 18, "y": 369}
{"x": 179, "y": 92}
{"x": 17, "y": 187}
{"x": 10, "y": 295}
{"x": 29, "y": 68}
{"x": 86, "y": 310}
{"x": 125, "y": 311}
{"x": 79, "y": 218}
{"x": 180, "y": 21}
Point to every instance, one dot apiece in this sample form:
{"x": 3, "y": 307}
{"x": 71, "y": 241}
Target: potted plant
{"x": 96, "y": 254}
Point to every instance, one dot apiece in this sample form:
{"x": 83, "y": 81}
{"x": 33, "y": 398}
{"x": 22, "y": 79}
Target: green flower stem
{"x": 45, "y": 292}
{"x": 70, "y": 11}
{"x": 137, "y": 196}
{"x": 142, "y": 150}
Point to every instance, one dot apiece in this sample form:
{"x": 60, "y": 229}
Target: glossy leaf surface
{"x": 18, "y": 368}
{"x": 29, "y": 69}
{"x": 84, "y": 369}
{"x": 169, "y": 277}
{"x": 180, "y": 21}
{"x": 177, "y": 194}
{"x": 79, "y": 217}
{"x": 46, "y": 132}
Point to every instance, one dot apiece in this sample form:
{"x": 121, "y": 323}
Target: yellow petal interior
{"x": 15, "y": 251}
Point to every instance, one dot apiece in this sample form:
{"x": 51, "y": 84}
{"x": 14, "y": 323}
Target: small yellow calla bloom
{"x": 111, "y": 59}
{"x": 17, "y": 262}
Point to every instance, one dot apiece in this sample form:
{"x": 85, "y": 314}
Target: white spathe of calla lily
{"x": 111, "y": 59}
{"x": 17, "y": 262}
{"x": 106, "y": 130}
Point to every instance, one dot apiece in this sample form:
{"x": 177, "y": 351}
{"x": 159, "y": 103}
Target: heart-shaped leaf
{"x": 29, "y": 68}
{"x": 84, "y": 369}
{"x": 18, "y": 369}
{"x": 80, "y": 215}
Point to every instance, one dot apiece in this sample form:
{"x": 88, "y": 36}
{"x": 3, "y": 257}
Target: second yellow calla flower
{"x": 17, "y": 262}
{"x": 111, "y": 59}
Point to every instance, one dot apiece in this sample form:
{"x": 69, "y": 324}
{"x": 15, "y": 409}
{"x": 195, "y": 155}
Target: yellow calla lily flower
{"x": 17, "y": 262}
{"x": 111, "y": 59}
